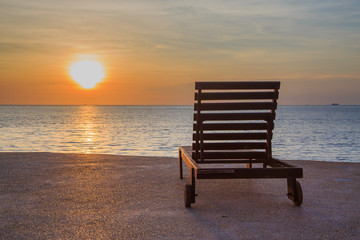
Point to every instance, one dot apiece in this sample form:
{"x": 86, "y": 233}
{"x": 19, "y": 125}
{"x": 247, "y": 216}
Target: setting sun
{"x": 87, "y": 73}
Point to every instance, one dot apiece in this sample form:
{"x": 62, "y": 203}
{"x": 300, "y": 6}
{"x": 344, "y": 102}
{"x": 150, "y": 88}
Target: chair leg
{"x": 187, "y": 195}
{"x": 192, "y": 182}
{"x": 180, "y": 165}
{"x": 189, "y": 191}
{"x": 294, "y": 191}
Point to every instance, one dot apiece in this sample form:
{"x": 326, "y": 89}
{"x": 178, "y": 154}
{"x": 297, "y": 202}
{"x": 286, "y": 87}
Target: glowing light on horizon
{"x": 87, "y": 73}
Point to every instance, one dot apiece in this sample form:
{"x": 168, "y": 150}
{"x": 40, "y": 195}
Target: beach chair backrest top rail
{"x": 233, "y": 121}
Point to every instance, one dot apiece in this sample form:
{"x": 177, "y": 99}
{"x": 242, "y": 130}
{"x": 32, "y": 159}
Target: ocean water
{"x": 322, "y": 133}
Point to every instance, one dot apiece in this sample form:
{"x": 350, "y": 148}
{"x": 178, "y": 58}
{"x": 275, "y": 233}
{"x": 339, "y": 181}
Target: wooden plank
{"x": 232, "y": 161}
{"x": 180, "y": 165}
{"x": 237, "y": 95}
{"x": 237, "y": 85}
{"x": 247, "y": 173}
{"x": 231, "y": 155}
{"x": 234, "y": 136}
{"x": 186, "y": 157}
{"x": 236, "y": 106}
{"x": 232, "y": 126}
{"x": 234, "y": 116}
{"x": 277, "y": 163}
{"x": 198, "y": 137}
{"x": 231, "y": 145}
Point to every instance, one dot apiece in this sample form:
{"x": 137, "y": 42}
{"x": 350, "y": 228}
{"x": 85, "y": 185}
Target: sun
{"x": 87, "y": 73}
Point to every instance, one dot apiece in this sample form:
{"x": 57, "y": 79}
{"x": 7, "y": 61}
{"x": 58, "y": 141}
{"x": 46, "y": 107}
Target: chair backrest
{"x": 233, "y": 121}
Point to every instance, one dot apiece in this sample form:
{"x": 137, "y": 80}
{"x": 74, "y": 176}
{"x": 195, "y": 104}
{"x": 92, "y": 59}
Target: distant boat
{"x": 335, "y": 104}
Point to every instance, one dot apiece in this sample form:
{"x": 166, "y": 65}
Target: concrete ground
{"x": 78, "y": 196}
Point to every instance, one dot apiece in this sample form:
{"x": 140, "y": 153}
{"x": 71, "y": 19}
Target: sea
{"x": 320, "y": 133}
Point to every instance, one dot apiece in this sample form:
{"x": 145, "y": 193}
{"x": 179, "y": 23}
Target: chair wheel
{"x": 299, "y": 192}
{"x": 187, "y": 195}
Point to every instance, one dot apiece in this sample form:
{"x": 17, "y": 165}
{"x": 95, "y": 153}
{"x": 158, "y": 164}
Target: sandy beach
{"x": 78, "y": 196}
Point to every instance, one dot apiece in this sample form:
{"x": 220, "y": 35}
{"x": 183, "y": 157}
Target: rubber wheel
{"x": 299, "y": 192}
{"x": 187, "y": 195}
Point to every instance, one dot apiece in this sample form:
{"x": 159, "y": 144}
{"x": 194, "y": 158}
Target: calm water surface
{"x": 324, "y": 133}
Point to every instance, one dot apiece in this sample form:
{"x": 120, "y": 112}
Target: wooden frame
{"x": 233, "y": 123}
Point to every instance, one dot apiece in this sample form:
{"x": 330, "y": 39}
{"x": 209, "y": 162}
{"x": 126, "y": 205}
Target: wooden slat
{"x": 237, "y": 85}
{"x": 231, "y": 155}
{"x": 232, "y": 161}
{"x": 250, "y": 173}
{"x": 232, "y": 126}
{"x": 233, "y": 136}
{"x": 231, "y": 145}
{"x": 234, "y": 116}
{"x": 186, "y": 153}
{"x": 236, "y": 106}
{"x": 237, "y": 95}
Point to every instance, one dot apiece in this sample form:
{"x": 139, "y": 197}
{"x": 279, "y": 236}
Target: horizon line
{"x": 330, "y": 104}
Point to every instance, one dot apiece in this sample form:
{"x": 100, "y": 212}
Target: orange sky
{"x": 154, "y": 51}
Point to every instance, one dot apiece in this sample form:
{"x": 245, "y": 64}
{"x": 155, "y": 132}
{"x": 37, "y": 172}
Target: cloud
{"x": 185, "y": 27}
{"x": 205, "y": 39}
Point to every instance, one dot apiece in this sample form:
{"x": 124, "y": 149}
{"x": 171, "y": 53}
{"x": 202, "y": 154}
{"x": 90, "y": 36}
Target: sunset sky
{"x": 153, "y": 51}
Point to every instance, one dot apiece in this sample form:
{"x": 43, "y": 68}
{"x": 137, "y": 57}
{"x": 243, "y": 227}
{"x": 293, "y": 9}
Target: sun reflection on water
{"x": 87, "y": 127}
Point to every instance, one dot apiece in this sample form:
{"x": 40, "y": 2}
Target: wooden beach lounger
{"x": 232, "y": 132}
